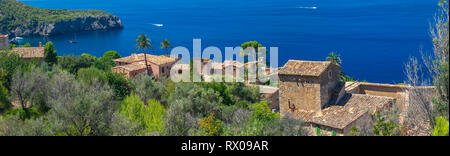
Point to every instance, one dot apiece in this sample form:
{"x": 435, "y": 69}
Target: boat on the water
{"x": 18, "y": 38}
{"x": 14, "y": 41}
{"x": 72, "y": 41}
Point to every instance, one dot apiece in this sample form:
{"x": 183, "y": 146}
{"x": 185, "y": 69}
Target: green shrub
{"x": 441, "y": 128}
{"x": 32, "y": 113}
{"x": 149, "y": 117}
{"x": 210, "y": 126}
{"x": 261, "y": 111}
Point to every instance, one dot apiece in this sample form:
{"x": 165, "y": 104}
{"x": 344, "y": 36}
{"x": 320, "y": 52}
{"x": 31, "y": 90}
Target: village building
{"x": 26, "y": 53}
{"x": 4, "y": 41}
{"x": 312, "y": 91}
{"x": 30, "y": 53}
{"x": 271, "y": 95}
{"x": 133, "y": 65}
{"x": 199, "y": 65}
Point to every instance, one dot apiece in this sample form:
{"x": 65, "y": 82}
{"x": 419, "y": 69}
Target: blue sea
{"x": 373, "y": 37}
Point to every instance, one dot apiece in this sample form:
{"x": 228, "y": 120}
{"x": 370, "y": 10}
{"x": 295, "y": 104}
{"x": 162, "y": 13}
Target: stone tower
{"x": 4, "y": 41}
{"x": 308, "y": 86}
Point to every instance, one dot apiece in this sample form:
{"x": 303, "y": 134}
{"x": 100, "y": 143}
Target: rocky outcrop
{"x": 77, "y": 24}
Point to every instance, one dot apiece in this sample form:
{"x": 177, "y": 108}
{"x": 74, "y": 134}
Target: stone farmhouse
{"x": 312, "y": 91}
{"x": 135, "y": 64}
{"x": 26, "y": 53}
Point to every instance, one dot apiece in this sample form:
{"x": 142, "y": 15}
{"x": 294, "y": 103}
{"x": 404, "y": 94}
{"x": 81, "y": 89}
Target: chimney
{"x": 40, "y": 44}
{"x": 4, "y": 41}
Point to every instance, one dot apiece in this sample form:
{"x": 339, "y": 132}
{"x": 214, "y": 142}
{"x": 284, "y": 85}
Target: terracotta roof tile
{"x": 30, "y": 52}
{"x": 304, "y": 68}
{"x": 341, "y": 116}
{"x": 158, "y": 60}
{"x": 133, "y": 66}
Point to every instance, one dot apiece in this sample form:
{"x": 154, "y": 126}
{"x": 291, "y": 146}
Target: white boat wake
{"x": 312, "y": 8}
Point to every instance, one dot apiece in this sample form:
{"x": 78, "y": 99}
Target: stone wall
{"x": 299, "y": 93}
{"x": 273, "y": 100}
{"x": 4, "y": 42}
{"x": 395, "y": 91}
{"x": 329, "y": 80}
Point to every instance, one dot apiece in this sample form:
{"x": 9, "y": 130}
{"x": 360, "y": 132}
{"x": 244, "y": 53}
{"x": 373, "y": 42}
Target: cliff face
{"x": 87, "y": 23}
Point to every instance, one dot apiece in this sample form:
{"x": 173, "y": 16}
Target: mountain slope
{"x": 18, "y": 19}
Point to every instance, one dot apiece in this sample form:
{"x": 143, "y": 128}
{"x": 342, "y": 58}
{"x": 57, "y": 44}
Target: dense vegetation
{"x": 15, "y": 14}
{"x": 80, "y": 96}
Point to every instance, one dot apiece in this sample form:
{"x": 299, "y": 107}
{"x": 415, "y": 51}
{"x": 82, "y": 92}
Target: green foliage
{"x": 150, "y": 117}
{"x": 106, "y": 62}
{"x": 16, "y": 14}
{"x": 78, "y": 109}
{"x": 346, "y": 78}
{"x": 4, "y": 103}
{"x": 10, "y": 62}
{"x": 353, "y": 131}
{"x": 154, "y": 116}
{"x": 318, "y": 133}
{"x": 233, "y": 92}
{"x": 144, "y": 43}
{"x": 441, "y": 128}
{"x": 210, "y": 126}
{"x": 118, "y": 83}
{"x": 442, "y": 84}
{"x": 261, "y": 111}
{"x": 439, "y": 68}
{"x": 254, "y": 44}
{"x": 89, "y": 57}
{"x": 148, "y": 88}
{"x": 27, "y": 45}
{"x": 197, "y": 101}
{"x": 110, "y": 55}
{"x": 165, "y": 44}
{"x": 50, "y": 54}
{"x": 242, "y": 104}
{"x": 29, "y": 88}
{"x": 13, "y": 125}
{"x": 382, "y": 127}
{"x": 72, "y": 63}
{"x": 11, "y": 46}
{"x": 32, "y": 113}
{"x": 91, "y": 74}
{"x": 334, "y": 58}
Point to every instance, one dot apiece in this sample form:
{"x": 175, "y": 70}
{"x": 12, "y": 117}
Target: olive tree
{"x": 147, "y": 88}
{"x": 79, "y": 109}
{"x": 29, "y": 87}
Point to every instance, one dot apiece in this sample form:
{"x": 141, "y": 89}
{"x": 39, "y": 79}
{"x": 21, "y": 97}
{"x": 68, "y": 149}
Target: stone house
{"x": 312, "y": 91}
{"x": 31, "y": 53}
{"x": 308, "y": 86}
{"x": 158, "y": 65}
{"x": 130, "y": 70}
{"x": 271, "y": 95}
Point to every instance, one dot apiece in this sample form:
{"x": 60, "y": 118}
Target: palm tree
{"x": 334, "y": 58}
{"x": 165, "y": 44}
{"x": 142, "y": 42}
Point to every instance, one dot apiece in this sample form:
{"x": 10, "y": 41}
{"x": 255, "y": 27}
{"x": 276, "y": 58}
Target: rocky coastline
{"x": 76, "y": 24}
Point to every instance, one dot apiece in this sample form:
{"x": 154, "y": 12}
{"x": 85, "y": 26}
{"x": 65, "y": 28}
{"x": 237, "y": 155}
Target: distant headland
{"x": 19, "y": 19}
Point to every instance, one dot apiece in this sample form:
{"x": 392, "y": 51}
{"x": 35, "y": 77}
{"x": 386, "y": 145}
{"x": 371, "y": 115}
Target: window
{"x": 162, "y": 69}
{"x": 330, "y": 74}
